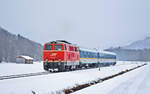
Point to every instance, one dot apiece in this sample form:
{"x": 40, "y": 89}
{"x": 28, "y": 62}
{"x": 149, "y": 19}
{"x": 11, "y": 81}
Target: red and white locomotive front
{"x": 60, "y": 55}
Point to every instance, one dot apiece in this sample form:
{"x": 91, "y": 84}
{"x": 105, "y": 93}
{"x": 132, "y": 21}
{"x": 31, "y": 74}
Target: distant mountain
{"x": 131, "y": 54}
{"x": 140, "y": 44}
{"x": 13, "y": 45}
{"x": 136, "y": 51}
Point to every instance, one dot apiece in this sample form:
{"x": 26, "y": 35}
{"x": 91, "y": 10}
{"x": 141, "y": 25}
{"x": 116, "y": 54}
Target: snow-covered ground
{"x": 45, "y": 84}
{"x": 134, "y": 82}
{"x": 13, "y": 68}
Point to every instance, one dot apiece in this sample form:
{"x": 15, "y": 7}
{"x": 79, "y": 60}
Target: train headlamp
{"x": 46, "y": 60}
{"x": 59, "y": 62}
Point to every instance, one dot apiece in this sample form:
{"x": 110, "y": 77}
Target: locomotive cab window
{"x": 58, "y": 47}
{"x": 48, "y": 47}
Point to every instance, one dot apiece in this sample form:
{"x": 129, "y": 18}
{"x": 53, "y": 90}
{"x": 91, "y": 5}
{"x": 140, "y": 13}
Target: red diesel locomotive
{"x": 60, "y": 55}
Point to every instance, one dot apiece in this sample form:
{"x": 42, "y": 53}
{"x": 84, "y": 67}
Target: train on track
{"x": 61, "y": 55}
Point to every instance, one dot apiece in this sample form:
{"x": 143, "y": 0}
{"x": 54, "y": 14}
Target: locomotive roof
{"x": 61, "y": 42}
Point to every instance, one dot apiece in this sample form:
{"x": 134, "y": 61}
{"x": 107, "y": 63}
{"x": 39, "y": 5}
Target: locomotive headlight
{"x": 46, "y": 60}
{"x": 59, "y": 62}
{"x": 45, "y": 63}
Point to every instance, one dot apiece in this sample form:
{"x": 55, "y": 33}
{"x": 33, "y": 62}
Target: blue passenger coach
{"x": 92, "y": 58}
{"x": 107, "y": 58}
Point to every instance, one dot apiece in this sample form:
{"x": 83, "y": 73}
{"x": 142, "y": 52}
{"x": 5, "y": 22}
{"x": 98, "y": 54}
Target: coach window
{"x": 83, "y": 54}
{"x": 58, "y": 47}
{"x": 48, "y": 47}
{"x": 90, "y": 55}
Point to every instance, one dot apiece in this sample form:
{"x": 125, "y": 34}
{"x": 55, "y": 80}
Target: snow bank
{"x": 45, "y": 84}
{"x": 133, "y": 82}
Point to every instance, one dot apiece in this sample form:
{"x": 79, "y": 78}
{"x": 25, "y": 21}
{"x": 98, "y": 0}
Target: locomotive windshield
{"x": 58, "y": 47}
{"x": 48, "y": 47}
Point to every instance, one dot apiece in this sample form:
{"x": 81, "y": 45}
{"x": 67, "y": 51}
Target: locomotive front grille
{"x": 53, "y": 65}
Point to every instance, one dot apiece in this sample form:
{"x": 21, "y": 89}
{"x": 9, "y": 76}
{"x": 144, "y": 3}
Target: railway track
{"x": 23, "y": 75}
{"x": 31, "y": 74}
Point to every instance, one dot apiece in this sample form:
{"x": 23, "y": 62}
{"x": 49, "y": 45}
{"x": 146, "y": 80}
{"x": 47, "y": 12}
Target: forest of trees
{"x": 13, "y": 45}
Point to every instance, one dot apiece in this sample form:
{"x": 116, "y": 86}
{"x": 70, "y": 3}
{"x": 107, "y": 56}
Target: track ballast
{"x": 23, "y": 75}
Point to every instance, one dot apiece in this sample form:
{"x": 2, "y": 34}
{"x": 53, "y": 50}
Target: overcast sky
{"x": 89, "y": 23}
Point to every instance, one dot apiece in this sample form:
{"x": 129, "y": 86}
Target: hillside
{"x": 13, "y": 45}
{"x": 131, "y": 54}
{"x": 140, "y": 44}
{"x": 136, "y": 51}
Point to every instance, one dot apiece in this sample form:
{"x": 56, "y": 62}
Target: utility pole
{"x": 99, "y": 60}
{"x": 99, "y": 64}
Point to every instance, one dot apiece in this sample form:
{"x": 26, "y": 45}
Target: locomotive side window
{"x": 70, "y": 48}
{"x": 76, "y": 49}
{"x": 58, "y": 47}
{"x": 65, "y": 47}
{"x": 48, "y": 47}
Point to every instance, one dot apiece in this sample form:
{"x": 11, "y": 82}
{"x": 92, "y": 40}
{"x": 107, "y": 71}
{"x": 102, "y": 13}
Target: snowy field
{"x": 13, "y": 68}
{"x": 46, "y": 84}
{"x": 134, "y": 82}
